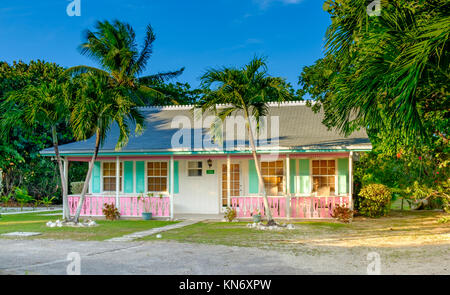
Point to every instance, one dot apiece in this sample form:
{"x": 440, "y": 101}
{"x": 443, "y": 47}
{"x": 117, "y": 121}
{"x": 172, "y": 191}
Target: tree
{"x": 47, "y": 104}
{"x": 388, "y": 72}
{"x": 113, "y": 46}
{"x": 97, "y": 107}
{"x": 26, "y": 167}
{"x": 248, "y": 90}
{"x": 390, "y": 75}
{"x": 113, "y": 92}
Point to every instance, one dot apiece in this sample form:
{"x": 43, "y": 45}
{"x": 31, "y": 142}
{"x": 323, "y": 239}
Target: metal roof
{"x": 299, "y": 129}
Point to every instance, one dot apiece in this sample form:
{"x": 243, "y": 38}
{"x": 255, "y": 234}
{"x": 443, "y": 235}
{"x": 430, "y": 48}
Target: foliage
{"x": 22, "y": 197}
{"x": 110, "y": 211}
{"x": 146, "y": 202}
{"x": 24, "y": 166}
{"x": 386, "y": 73}
{"x": 230, "y": 214}
{"x": 113, "y": 46}
{"x": 342, "y": 213}
{"x": 6, "y": 199}
{"x": 176, "y": 93}
{"x": 375, "y": 201}
{"x": 389, "y": 75}
{"x": 47, "y": 201}
{"x": 76, "y": 187}
{"x": 247, "y": 90}
{"x": 444, "y": 219}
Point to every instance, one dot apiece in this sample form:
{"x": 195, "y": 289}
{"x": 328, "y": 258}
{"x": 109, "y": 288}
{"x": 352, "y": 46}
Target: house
{"x": 307, "y": 168}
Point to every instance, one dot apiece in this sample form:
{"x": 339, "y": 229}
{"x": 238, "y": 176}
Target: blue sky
{"x": 197, "y": 34}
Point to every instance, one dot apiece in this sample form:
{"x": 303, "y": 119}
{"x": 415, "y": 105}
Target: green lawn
{"x": 36, "y": 222}
{"x": 399, "y": 229}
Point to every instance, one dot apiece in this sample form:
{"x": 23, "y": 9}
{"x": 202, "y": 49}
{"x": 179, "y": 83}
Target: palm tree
{"x": 113, "y": 46}
{"x": 97, "y": 107}
{"x": 392, "y": 70}
{"x": 47, "y": 104}
{"x": 114, "y": 91}
{"x": 247, "y": 90}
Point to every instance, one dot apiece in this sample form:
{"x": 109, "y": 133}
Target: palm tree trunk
{"x": 262, "y": 189}
{"x": 66, "y": 215}
{"x": 88, "y": 177}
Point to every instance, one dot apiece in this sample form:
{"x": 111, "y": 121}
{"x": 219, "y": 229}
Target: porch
{"x": 300, "y": 185}
{"x": 313, "y": 207}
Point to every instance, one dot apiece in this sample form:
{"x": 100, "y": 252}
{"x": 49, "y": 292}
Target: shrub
{"x": 230, "y": 214}
{"x": 76, "y": 187}
{"x": 110, "y": 211}
{"x": 376, "y": 199}
{"x": 47, "y": 201}
{"x": 22, "y": 196}
{"x": 342, "y": 213}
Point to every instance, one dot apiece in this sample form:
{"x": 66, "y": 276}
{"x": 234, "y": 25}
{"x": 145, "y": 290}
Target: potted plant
{"x": 146, "y": 206}
{"x": 256, "y": 216}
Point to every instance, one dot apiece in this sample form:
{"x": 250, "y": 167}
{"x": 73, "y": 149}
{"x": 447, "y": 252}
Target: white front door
{"x": 235, "y": 184}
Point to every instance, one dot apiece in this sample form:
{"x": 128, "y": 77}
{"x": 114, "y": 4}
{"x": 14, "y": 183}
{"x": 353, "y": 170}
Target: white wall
{"x": 202, "y": 194}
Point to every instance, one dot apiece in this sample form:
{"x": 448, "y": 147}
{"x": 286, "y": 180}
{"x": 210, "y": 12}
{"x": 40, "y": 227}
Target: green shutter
{"x": 140, "y": 177}
{"x": 128, "y": 178}
{"x": 292, "y": 173}
{"x": 343, "y": 176}
{"x": 96, "y": 178}
{"x": 176, "y": 188}
{"x": 252, "y": 178}
{"x": 175, "y": 176}
{"x": 303, "y": 173}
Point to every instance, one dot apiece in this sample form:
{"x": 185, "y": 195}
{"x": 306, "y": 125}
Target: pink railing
{"x": 300, "y": 207}
{"x": 245, "y": 206}
{"x": 316, "y": 207}
{"x": 129, "y": 206}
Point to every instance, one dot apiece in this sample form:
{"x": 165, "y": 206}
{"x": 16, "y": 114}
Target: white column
{"x": 171, "y": 189}
{"x": 350, "y": 179}
{"x": 288, "y": 188}
{"x": 66, "y": 183}
{"x": 228, "y": 180}
{"x": 117, "y": 182}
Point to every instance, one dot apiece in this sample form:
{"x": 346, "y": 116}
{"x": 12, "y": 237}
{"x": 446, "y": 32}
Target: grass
{"x": 399, "y": 229}
{"x": 36, "y": 222}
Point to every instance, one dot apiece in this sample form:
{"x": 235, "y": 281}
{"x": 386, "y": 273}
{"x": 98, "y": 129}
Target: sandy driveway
{"x": 160, "y": 257}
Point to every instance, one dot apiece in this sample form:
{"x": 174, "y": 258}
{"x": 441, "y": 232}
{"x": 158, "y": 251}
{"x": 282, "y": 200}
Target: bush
{"x": 342, "y": 213}
{"x": 230, "y": 214}
{"x": 22, "y": 197}
{"x": 76, "y": 187}
{"x": 376, "y": 199}
{"x": 110, "y": 211}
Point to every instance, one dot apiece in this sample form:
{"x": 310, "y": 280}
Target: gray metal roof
{"x": 299, "y": 128}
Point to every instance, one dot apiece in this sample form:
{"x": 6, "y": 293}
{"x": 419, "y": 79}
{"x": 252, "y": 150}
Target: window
{"x": 323, "y": 176}
{"x": 157, "y": 176}
{"x": 195, "y": 168}
{"x": 272, "y": 173}
{"x": 109, "y": 176}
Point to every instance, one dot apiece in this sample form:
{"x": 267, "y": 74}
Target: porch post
{"x": 228, "y": 180}
{"x": 117, "y": 183}
{"x": 171, "y": 189}
{"x": 350, "y": 179}
{"x": 66, "y": 183}
{"x": 288, "y": 188}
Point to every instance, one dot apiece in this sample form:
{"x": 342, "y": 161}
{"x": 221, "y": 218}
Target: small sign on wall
{"x": 209, "y": 171}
